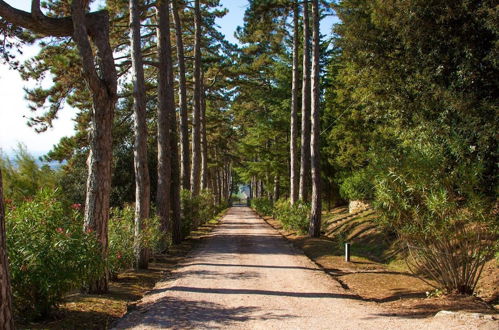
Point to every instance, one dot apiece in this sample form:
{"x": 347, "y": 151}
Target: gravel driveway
{"x": 246, "y": 276}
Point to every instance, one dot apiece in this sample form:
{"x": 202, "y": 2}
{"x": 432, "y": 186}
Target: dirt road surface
{"x": 246, "y": 276}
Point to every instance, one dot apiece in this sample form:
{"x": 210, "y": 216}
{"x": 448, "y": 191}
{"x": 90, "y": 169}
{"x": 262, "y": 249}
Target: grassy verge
{"x": 86, "y": 311}
{"x": 377, "y": 271}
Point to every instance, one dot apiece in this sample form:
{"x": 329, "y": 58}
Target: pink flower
{"x": 118, "y": 256}
{"x": 59, "y": 230}
{"x": 76, "y": 206}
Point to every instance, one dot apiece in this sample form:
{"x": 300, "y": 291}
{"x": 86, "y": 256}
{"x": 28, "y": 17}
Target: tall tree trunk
{"x": 163, "y": 200}
{"x": 305, "y": 111}
{"x": 102, "y": 83}
{"x": 293, "y": 146}
{"x": 142, "y": 184}
{"x": 6, "y": 316}
{"x": 175, "y": 185}
{"x": 185, "y": 170}
{"x": 175, "y": 182}
{"x": 219, "y": 185}
{"x": 315, "y": 218}
{"x": 204, "y": 142}
{"x": 196, "y": 115}
{"x": 253, "y": 188}
{"x": 277, "y": 188}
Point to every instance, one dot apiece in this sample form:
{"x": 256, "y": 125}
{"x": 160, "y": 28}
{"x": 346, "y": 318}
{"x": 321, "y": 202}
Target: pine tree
{"x": 196, "y": 114}
{"x": 184, "y": 128}
{"x": 305, "y": 109}
{"x": 142, "y": 185}
{"x": 316, "y": 211}
{"x": 293, "y": 145}
{"x": 165, "y": 93}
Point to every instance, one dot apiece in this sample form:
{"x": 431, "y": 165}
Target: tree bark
{"x": 49, "y": 26}
{"x": 142, "y": 183}
{"x": 196, "y": 115}
{"x": 6, "y": 316}
{"x": 294, "y": 166}
{"x": 175, "y": 187}
{"x": 175, "y": 181}
{"x": 163, "y": 198}
{"x": 316, "y": 211}
{"x": 103, "y": 85}
{"x": 219, "y": 185}
{"x": 305, "y": 114}
{"x": 277, "y": 188}
{"x": 204, "y": 142}
{"x": 184, "y": 123}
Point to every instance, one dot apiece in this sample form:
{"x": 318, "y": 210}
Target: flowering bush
{"x": 49, "y": 253}
{"x": 121, "y": 238}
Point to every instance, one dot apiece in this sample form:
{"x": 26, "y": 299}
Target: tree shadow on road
{"x": 259, "y": 292}
{"x": 175, "y": 313}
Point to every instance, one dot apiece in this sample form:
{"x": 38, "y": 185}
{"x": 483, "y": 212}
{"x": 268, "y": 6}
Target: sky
{"x": 14, "y": 108}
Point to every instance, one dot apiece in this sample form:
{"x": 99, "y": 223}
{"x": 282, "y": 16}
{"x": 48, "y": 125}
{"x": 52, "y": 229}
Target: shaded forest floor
{"x": 88, "y": 311}
{"x": 377, "y": 272}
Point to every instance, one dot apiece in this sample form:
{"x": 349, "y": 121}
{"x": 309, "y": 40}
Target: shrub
{"x": 262, "y": 205}
{"x": 49, "y": 253}
{"x": 358, "y": 186}
{"x": 121, "y": 238}
{"x": 449, "y": 229}
{"x": 294, "y": 217}
{"x": 197, "y": 210}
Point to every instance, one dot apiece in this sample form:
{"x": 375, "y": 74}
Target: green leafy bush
{"x": 294, "y": 217}
{"x": 121, "y": 238}
{"x": 197, "y": 210}
{"x": 49, "y": 253}
{"x": 450, "y": 230}
{"x": 262, "y": 205}
{"x": 358, "y": 186}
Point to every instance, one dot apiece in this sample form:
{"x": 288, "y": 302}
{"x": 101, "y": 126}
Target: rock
{"x": 357, "y": 206}
{"x": 466, "y": 315}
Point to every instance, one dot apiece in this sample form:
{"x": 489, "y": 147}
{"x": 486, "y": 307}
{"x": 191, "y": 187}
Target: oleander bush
{"x": 49, "y": 253}
{"x": 121, "y": 238}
